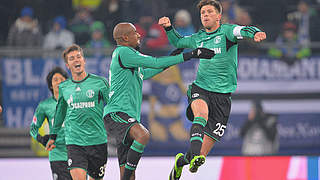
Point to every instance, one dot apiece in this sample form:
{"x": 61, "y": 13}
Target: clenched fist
{"x": 164, "y": 22}
{"x": 260, "y": 36}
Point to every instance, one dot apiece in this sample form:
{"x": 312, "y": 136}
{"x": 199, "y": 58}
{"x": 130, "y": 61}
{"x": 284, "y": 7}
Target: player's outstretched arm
{"x": 132, "y": 59}
{"x": 150, "y": 72}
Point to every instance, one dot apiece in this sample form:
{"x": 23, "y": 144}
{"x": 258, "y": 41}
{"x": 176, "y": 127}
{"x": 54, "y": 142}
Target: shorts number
{"x": 220, "y": 129}
{"x": 102, "y": 169}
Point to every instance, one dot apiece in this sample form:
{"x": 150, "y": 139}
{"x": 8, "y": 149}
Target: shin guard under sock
{"x": 196, "y": 135}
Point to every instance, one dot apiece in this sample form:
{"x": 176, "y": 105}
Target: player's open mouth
{"x": 77, "y": 66}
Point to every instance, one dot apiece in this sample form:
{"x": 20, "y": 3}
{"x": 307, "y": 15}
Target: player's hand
{"x": 202, "y": 53}
{"x": 0, "y": 109}
{"x": 260, "y": 36}
{"x": 50, "y": 145}
{"x": 164, "y": 22}
{"x": 43, "y": 139}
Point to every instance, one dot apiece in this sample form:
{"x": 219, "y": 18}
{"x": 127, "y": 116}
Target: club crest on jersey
{"x": 217, "y": 40}
{"x": 90, "y": 93}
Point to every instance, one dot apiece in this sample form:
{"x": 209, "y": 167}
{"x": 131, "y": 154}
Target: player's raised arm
{"x": 174, "y": 37}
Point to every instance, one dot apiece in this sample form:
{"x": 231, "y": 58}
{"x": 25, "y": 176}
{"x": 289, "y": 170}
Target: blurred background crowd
{"x": 34, "y": 33}
{"x": 292, "y": 26}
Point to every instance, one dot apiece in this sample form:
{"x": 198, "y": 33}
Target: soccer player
{"x": 45, "y": 110}
{"x": 80, "y": 109}
{"x": 210, "y": 94}
{"x": 128, "y": 69}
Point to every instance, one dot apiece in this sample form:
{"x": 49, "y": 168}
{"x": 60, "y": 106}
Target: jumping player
{"x": 210, "y": 94}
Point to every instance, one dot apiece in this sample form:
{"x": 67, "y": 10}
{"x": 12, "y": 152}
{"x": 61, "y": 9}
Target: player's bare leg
{"x": 140, "y": 136}
{"x": 133, "y": 176}
{"x": 207, "y": 145}
{"x": 78, "y": 174}
{"x": 193, "y": 157}
{"x": 200, "y": 111}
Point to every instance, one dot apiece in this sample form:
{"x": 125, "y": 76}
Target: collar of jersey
{"x": 81, "y": 80}
{"x": 127, "y": 47}
{"x": 54, "y": 98}
{"x": 213, "y": 31}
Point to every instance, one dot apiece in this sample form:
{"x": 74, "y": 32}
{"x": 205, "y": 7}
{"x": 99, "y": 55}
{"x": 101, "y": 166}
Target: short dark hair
{"x": 73, "y": 47}
{"x": 216, "y": 4}
{"x": 53, "y": 72}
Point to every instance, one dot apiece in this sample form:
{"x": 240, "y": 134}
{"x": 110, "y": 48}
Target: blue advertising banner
{"x": 164, "y": 101}
{"x": 24, "y": 86}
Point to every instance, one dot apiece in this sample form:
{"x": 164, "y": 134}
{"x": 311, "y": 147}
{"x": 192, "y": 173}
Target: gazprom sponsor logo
{"x": 81, "y": 105}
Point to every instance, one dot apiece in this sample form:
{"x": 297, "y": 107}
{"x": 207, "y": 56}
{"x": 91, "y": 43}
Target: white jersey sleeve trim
{"x": 236, "y": 32}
